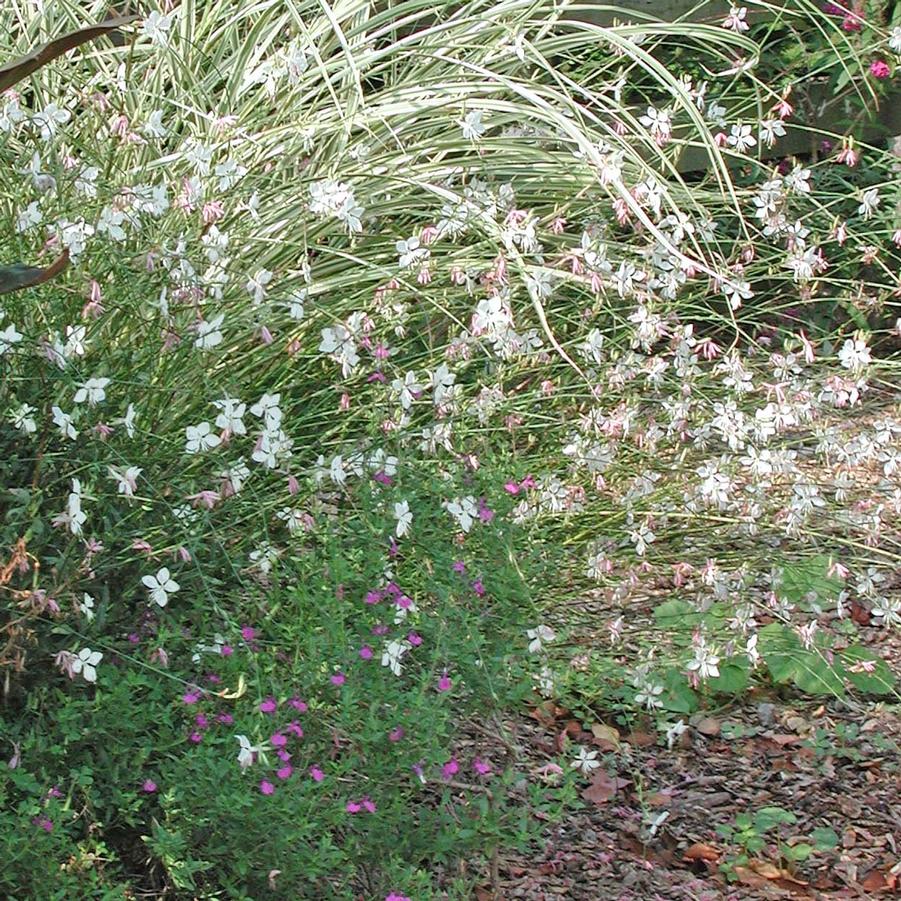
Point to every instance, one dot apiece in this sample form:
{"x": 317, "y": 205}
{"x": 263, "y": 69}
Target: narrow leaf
{"x": 17, "y": 69}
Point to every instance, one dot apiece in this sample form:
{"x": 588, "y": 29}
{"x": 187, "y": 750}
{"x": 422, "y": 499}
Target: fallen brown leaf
{"x": 700, "y": 851}
{"x": 603, "y": 787}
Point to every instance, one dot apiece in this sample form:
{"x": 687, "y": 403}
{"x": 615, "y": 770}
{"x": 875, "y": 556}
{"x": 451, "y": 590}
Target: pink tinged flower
{"x": 338, "y": 679}
{"x": 368, "y": 805}
{"x": 293, "y": 485}
{"x": 226, "y": 650}
{"x": 396, "y": 896}
{"x": 396, "y": 734}
{"x": 184, "y": 554}
{"x": 373, "y": 597}
{"x": 284, "y": 772}
{"x": 478, "y": 587}
{"x": 248, "y": 633}
{"x": 414, "y": 639}
{"x": 481, "y": 767}
{"x": 269, "y": 705}
{"x": 213, "y": 211}
{"x": 316, "y": 774}
{"x": 511, "y": 488}
{"x": 444, "y": 683}
{"x": 266, "y": 787}
{"x": 191, "y": 697}
{"x": 366, "y": 652}
{"x": 149, "y": 786}
{"x": 344, "y": 403}
{"x": 266, "y": 335}
{"x": 450, "y": 769}
{"x": 404, "y": 602}
{"x": 353, "y": 807}
{"x": 277, "y": 740}
{"x": 459, "y": 566}
{"x": 195, "y": 738}
{"x": 283, "y": 755}
{"x": 298, "y": 705}
{"x": 879, "y": 69}
{"x": 295, "y": 728}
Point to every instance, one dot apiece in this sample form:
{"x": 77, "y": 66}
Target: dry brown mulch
{"x": 768, "y": 752}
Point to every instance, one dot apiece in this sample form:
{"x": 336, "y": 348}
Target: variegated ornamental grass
{"x": 373, "y": 313}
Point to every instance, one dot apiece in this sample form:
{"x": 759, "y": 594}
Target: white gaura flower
{"x": 199, "y": 438}
{"x": 65, "y": 423}
{"x": 29, "y": 217}
{"x": 74, "y": 516}
{"x": 256, "y": 285}
{"x": 156, "y": 27}
{"x": 705, "y": 662}
{"x": 538, "y": 636}
{"x": 86, "y": 607}
{"x": 49, "y": 118}
{"x": 161, "y": 586}
{"x": 247, "y": 752}
{"x": 231, "y": 416}
{"x": 740, "y": 137}
{"x": 392, "y": 654}
{"x": 86, "y": 664}
{"x": 585, "y": 761}
{"x": 126, "y": 479}
{"x": 209, "y": 333}
{"x": 472, "y": 125}
{"x": 154, "y": 127}
{"x": 128, "y": 420}
{"x": 855, "y": 354}
{"x": 464, "y": 510}
{"x": 21, "y": 417}
{"x": 9, "y": 337}
{"x": 869, "y": 203}
{"x": 735, "y": 21}
{"x": 404, "y": 518}
{"x": 406, "y": 389}
{"x": 93, "y": 391}
{"x": 229, "y": 174}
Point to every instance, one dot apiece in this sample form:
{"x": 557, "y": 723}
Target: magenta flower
{"x": 248, "y": 633}
{"x": 277, "y": 740}
{"x": 284, "y": 772}
{"x": 295, "y": 728}
{"x": 225, "y": 718}
{"x": 44, "y": 822}
{"x": 195, "y": 738}
{"x": 299, "y": 705}
{"x": 450, "y": 769}
{"x": 338, "y": 679}
{"x": 317, "y": 774}
{"x": 149, "y": 786}
{"x": 191, "y": 697}
{"x": 396, "y": 734}
{"x": 511, "y": 488}
{"x": 879, "y": 69}
{"x": 478, "y": 587}
{"x": 353, "y": 807}
{"x": 373, "y": 597}
{"x": 283, "y": 755}
{"x": 459, "y": 566}
{"x": 201, "y": 721}
{"x": 394, "y": 896}
{"x": 269, "y": 705}
{"x": 444, "y": 683}
{"x": 366, "y": 652}
{"x": 266, "y": 787}
{"x": 481, "y": 767}
{"x": 414, "y": 639}
{"x": 368, "y": 804}
{"x": 226, "y": 650}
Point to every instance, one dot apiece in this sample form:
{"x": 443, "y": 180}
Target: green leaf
{"x": 676, "y": 614}
{"x": 19, "y": 275}
{"x": 768, "y": 818}
{"x": 809, "y": 577}
{"x": 733, "y": 677}
{"x": 824, "y": 838}
{"x": 678, "y": 696}
{"x": 780, "y": 648}
{"x": 21, "y": 67}
{"x": 876, "y": 678}
{"x": 815, "y": 676}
